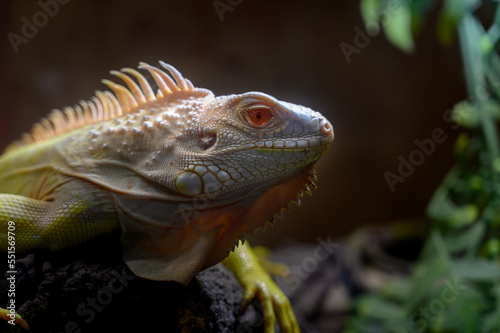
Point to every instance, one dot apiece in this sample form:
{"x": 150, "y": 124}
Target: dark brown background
{"x": 378, "y": 104}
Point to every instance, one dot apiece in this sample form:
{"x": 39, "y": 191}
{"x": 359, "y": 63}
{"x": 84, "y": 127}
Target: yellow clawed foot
{"x": 13, "y": 318}
{"x": 258, "y": 284}
{"x": 273, "y": 268}
{"x": 274, "y": 303}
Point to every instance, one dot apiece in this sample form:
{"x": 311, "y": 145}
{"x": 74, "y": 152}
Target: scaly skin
{"x": 182, "y": 175}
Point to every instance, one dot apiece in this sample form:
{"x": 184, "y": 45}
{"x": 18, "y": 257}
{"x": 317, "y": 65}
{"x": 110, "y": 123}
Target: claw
{"x": 6, "y": 315}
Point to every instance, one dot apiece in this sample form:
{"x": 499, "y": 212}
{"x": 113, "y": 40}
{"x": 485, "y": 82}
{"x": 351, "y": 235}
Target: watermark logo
{"x": 372, "y": 28}
{"x": 416, "y": 158}
{"x": 222, "y": 7}
{"x": 11, "y": 273}
{"x": 89, "y": 309}
{"x": 321, "y": 252}
{"x": 104, "y": 297}
{"x": 30, "y": 28}
{"x": 421, "y": 318}
{"x": 454, "y": 118}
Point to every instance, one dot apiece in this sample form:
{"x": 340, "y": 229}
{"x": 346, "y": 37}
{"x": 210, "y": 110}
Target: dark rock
{"x": 81, "y": 291}
{"x": 90, "y": 289}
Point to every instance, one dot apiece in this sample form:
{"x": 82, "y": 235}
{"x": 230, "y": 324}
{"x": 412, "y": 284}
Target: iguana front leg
{"x": 245, "y": 265}
{"x": 21, "y": 216}
{"x": 18, "y": 219}
{"x": 80, "y": 212}
{"x": 53, "y": 225}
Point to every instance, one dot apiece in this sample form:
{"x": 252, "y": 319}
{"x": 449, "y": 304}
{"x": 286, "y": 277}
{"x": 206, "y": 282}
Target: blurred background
{"x": 379, "y": 99}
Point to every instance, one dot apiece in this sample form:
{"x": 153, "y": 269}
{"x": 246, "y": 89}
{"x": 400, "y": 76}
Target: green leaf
{"x": 378, "y": 308}
{"x": 491, "y": 248}
{"x": 493, "y": 74}
{"x": 491, "y": 321}
{"x": 370, "y": 10}
{"x": 454, "y": 216}
{"x": 424, "y": 280}
{"x": 395, "y": 17}
{"x": 441, "y": 194}
{"x": 477, "y": 269}
{"x": 492, "y": 108}
{"x": 378, "y": 312}
{"x": 398, "y": 290}
{"x": 419, "y": 10}
{"x": 466, "y": 114}
{"x": 461, "y": 314}
{"x": 461, "y": 145}
{"x": 450, "y": 15}
{"x": 464, "y": 240}
{"x": 397, "y": 26}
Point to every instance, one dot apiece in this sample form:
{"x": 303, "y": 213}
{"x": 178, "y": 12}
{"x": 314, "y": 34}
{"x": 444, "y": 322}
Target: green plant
{"x": 455, "y": 285}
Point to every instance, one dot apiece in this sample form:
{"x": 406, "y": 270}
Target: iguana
{"x": 183, "y": 176}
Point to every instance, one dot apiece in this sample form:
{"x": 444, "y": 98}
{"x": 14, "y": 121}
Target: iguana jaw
{"x": 240, "y": 220}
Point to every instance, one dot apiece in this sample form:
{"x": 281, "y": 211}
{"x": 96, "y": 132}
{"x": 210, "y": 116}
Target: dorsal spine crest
{"x": 104, "y": 105}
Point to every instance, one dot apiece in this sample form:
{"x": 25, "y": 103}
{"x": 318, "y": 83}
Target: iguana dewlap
{"x": 183, "y": 175}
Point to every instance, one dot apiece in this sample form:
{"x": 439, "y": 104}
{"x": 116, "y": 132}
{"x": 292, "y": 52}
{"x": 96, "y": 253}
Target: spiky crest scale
{"x": 105, "y": 105}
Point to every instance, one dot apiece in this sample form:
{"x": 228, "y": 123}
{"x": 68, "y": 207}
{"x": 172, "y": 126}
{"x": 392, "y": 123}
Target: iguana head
{"x": 190, "y": 174}
{"x": 248, "y": 142}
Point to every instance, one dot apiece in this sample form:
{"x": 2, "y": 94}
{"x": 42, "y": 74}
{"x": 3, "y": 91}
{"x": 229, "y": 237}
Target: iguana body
{"x": 181, "y": 174}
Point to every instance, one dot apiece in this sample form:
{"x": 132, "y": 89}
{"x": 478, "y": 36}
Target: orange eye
{"x": 259, "y": 116}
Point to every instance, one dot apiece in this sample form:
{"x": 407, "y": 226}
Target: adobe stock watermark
{"x": 30, "y": 28}
{"x": 424, "y": 149}
{"x": 427, "y": 146}
{"x": 425, "y": 315}
{"x": 372, "y": 29}
{"x": 321, "y": 252}
{"x": 223, "y": 6}
{"x": 12, "y": 272}
{"x": 88, "y": 310}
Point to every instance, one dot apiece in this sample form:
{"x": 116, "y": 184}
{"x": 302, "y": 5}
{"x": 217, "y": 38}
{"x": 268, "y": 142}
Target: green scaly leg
{"x": 245, "y": 265}
{"x": 18, "y": 217}
{"x": 68, "y": 221}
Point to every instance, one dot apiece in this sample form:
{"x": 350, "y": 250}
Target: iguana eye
{"x": 259, "y": 115}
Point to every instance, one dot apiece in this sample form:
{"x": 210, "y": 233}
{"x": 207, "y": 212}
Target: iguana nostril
{"x": 325, "y": 126}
